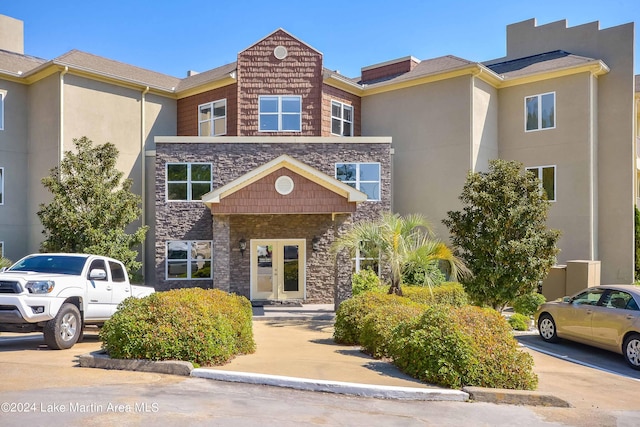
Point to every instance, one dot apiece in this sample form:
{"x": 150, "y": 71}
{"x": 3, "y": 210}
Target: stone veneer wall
{"x": 193, "y": 221}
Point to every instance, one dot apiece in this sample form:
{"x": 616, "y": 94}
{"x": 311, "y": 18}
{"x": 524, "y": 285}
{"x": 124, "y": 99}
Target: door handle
{"x": 108, "y": 288}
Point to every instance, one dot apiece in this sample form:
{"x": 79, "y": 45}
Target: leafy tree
{"x": 91, "y": 206}
{"x": 400, "y": 243}
{"x": 501, "y": 233}
{"x": 5, "y": 262}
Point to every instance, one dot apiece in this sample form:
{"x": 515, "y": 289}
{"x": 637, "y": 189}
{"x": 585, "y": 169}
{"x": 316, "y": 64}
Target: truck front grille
{"x": 8, "y": 287}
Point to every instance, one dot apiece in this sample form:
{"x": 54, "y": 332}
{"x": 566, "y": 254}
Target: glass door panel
{"x": 277, "y": 269}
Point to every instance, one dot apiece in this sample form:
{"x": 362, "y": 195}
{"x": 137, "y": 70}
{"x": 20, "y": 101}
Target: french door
{"x": 277, "y": 269}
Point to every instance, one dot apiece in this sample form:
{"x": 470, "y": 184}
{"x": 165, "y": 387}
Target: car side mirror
{"x": 566, "y": 299}
{"x": 97, "y": 274}
{"x": 2, "y": 269}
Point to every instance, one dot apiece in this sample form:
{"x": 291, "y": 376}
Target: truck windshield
{"x": 57, "y": 264}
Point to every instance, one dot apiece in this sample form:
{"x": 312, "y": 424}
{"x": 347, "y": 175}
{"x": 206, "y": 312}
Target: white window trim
{"x": 188, "y": 260}
{"x": 3, "y": 94}
{"x": 555, "y": 178}
{"x": 188, "y": 181}
{"x": 358, "y": 260}
{"x": 213, "y": 118}
{"x": 539, "y": 96}
{"x": 2, "y": 175}
{"x": 358, "y": 181}
{"x": 341, "y": 119}
{"x": 279, "y": 113}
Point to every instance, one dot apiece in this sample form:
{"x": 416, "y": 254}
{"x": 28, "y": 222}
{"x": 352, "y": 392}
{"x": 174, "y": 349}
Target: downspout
{"x": 143, "y": 192}
{"x": 61, "y": 135}
{"x": 592, "y": 173}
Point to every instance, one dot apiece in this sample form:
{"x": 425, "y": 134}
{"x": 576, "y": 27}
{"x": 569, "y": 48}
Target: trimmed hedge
{"x": 351, "y": 313}
{"x": 519, "y": 322}
{"x": 377, "y": 326}
{"x": 462, "y": 346}
{"x": 450, "y": 293}
{"x": 528, "y": 304}
{"x": 205, "y": 327}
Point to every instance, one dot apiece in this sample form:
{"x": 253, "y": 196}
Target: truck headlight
{"x": 40, "y": 286}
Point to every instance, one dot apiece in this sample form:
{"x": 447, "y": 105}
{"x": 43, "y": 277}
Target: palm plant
{"x": 401, "y": 242}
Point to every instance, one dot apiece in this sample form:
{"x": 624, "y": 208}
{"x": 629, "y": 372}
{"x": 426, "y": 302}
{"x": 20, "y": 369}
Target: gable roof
{"x": 288, "y": 34}
{"x": 18, "y": 64}
{"x": 338, "y": 187}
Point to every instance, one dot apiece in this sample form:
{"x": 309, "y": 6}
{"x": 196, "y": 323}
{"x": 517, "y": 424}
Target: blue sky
{"x": 172, "y": 37}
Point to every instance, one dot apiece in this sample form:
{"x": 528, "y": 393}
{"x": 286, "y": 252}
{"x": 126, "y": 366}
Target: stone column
{"x": 221, "y": 252}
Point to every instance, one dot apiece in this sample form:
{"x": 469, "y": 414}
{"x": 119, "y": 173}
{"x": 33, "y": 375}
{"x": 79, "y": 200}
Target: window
{"x": 367, "y": 257}
{"x": 97, "y": 264}
{"x": 590, "y": 297}
{"x": 280, "y": 113}
{"x": 341, "y": 119}
{"x": 547, "y": 175}
{"x": 188, "y": 181}
{"x": 189, "y": 260}
{"x": 540, "y": 112}
{"x": 361, "y": 176}
{"x": 1, "y": 186}
{"x": 117, "y": 272}
{"x": 212, "y": 118}
{"x": 1, "y": 249}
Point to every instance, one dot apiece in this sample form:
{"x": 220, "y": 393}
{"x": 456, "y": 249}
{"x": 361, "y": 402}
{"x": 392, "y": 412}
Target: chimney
{"x": 389, "y": 69}
{"x": 11, "y": 34}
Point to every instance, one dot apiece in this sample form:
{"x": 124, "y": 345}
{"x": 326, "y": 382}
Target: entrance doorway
{"x": 277, "y": 269}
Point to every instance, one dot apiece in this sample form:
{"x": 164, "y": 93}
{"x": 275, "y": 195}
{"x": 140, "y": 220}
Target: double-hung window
{"x": 280, "y": 113}
{"x": 341, "y": 119}
{"x": 540, "y": 111}
{"x": 188, "y": 181}
{"x": 189, "y": 260}
{"x": 547, "y": 177}
{"x": 361, "y": 176}
{"x": 212, "y": 118}
{"x": 1, "y": 186}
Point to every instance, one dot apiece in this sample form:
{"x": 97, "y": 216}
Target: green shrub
{"x": 519, "y": 322}
{"x": 419, "y": 274}
{"x": 528, "y": 304}
{"x": 377, "y": 326}
{"x": 462, "y": 346}
{"x": 351, "y": 313}
{"x": 450, "y": 293}
{"x": 364, "y": 281}
{"x": 205, "y": 327}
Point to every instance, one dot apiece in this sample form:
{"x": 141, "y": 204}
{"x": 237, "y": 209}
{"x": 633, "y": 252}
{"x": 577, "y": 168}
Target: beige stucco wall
{"x": 11, "y": 34}
{"x": 567, "y": 146}
{"x": 43, "y": 133}
{"x": 614, "y": 142}
{"x": 13, "y": 159}
{"x": 485, "y": 125}
{"x": 431, "y": 130}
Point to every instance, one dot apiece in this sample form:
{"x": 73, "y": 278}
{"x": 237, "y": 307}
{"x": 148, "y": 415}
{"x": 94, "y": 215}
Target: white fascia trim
{"x": 272, "y": 139}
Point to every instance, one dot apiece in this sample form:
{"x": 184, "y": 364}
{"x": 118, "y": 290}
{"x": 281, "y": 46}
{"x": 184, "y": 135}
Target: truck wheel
{"x": 63, "y": 331}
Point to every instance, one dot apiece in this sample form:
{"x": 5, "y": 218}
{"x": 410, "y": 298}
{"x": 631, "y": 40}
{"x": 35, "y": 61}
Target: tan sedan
{"x": 607, "y": 317}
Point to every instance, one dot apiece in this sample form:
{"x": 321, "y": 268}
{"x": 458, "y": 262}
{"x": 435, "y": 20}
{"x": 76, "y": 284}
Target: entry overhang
{"x": 254, "y": 192}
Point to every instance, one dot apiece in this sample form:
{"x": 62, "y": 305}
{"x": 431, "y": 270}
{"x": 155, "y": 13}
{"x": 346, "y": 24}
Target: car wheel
{"x": 547, "y": 328}
{"x": 63, "y": 331}
{"x": 631, "y": 350}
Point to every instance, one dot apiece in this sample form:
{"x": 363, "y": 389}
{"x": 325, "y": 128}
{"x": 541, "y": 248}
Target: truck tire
{"x": 63, "y": 331}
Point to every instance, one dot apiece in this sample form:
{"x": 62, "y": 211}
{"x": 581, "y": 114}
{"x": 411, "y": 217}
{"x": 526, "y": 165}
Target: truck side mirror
{"x": 2, "y": 269}
{"x": 97, "y": 274}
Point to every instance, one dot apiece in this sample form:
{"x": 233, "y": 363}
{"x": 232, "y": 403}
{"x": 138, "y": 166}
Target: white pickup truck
{"x": 59, "y": 294}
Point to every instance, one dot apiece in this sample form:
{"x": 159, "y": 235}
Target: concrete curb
{"x": 515, "y": 397}
{"x": 365, "y": 390}
{"x": 100, "y": 359}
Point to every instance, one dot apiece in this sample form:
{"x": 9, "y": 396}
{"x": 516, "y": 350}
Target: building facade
{"x": 254, "y": 167}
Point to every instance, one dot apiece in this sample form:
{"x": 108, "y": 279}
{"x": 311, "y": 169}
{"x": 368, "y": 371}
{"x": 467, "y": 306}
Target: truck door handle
{"x": 108, "y": 288}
